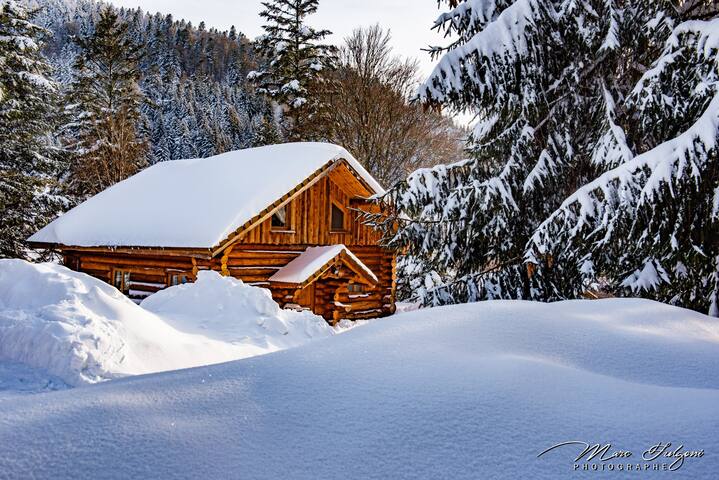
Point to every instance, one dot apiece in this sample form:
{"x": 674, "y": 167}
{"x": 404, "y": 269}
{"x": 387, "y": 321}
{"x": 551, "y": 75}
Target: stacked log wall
{"x": 260, "y": 252}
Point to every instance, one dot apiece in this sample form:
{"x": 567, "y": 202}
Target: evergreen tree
{"x": 295, "y": 59}
{"x": 651, "y": 222}
{"x": 105, "y": 101}
{"x": 266, "y": 134}
{"x": 28, "y": 163}
{"x": 560, "y": 95}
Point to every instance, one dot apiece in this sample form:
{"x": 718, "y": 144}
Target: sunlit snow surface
{"x": 82, "y": 330}
{"x": 472, "y": 391}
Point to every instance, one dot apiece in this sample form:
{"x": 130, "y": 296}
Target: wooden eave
{"x": 340, "y": 258}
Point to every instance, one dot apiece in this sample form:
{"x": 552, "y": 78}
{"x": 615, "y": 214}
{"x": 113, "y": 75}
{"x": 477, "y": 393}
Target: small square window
{"x": 338, "y": 219}
{"x": 280, "y": 219}
{"x": 178, "y": 279}
{"x": 121, "y": 281}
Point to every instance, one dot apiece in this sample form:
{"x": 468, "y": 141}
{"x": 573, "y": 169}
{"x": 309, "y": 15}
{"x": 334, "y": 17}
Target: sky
{"x": 410, "y": 21}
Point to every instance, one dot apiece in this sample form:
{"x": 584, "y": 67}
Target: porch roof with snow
{"x": 197, "y": 203}
{"x": 315, "y": 261}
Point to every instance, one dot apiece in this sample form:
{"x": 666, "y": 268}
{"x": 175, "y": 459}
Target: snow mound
{"x": 463, "y": 392}
{"x": 227, "y": 309}
{"x": 63, "y": 322}
{"x": 83, "y": 330}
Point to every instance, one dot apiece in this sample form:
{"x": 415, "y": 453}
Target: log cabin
{"x": 283, "y": 217}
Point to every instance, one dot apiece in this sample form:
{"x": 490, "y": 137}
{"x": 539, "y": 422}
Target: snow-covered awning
{"x": 195, "y": 203}
{"x": 314, "y": 261}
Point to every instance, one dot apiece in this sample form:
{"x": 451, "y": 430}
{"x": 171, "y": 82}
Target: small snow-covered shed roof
{"x": 194, "y": 203}
{"x": 314, "y": 260}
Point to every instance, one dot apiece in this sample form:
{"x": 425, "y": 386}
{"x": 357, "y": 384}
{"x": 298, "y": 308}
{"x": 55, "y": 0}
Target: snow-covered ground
{"x": 69, "y": 326}
{"x": 20, "y": 379}
{"x": 469, "y": 391}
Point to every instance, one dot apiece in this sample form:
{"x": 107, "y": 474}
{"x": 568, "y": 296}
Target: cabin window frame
{"x": 287, "y": 226}
{"x": 124, "y": 280}
{"x": 178, "y": 273}
{"x": 342, "y": 210}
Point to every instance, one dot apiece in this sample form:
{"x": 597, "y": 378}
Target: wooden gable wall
{"x": 261, "y": 251}
{"x": 310, "y": 216}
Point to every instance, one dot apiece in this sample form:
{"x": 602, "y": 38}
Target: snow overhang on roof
{"x": 314, "y": 261}
{"x": 195, "y": 203}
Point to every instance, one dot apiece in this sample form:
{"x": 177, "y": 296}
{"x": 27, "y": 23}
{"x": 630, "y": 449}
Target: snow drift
{"x": 225, "y": 308}
{"x": 468, "y": 391}
{"x": 83, "y": 330}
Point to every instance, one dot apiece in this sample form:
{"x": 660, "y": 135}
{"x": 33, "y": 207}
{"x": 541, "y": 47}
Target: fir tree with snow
{"x": 29, "y": 164}
{"x": 104, "y": 108}
{"x": 563, "y": 92}
{"x": 294, "y": 61}
{"x": 654, "y": 214}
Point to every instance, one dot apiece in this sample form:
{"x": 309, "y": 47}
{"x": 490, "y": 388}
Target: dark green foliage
{"x": 29, "y": 165}
{"x": 104, "y": 108}
{"x": 294, "y": 59}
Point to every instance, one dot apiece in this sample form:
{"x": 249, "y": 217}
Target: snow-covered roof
{"x": 194, "y": 203}
{"x": 313, "y": 259}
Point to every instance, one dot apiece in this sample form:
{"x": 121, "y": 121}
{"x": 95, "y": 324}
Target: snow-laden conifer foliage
{"x": 655, "y": 216}
{"x": 198, "y": 101}
{"x": 103, "y": 107}
{"x": 295, "y": 58}
{"x": 569, "y": 95}
{"x": 28, "y": 163}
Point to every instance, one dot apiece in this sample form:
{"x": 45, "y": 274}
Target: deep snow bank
{"x": 471, "y": 391}
{"x": 84, "y": 330}
{"x": 226, "y": 309}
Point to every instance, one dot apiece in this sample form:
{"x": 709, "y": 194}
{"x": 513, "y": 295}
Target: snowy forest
{"x": 591, "y": 168}
{"x": 174, "y": 90}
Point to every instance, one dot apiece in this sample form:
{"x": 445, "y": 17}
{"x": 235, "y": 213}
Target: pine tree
{"x": 29, "y": 165}
{"x": 266, "y": 134}
{"x": 295, "y": 59}
{"x": 551, "y": 83}
{"x": 651, "y": 222}
{"x": 104, "y": 108}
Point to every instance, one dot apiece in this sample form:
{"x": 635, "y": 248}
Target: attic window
{"x": 338, "y": 219}
{"x": 281, "y": 218}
